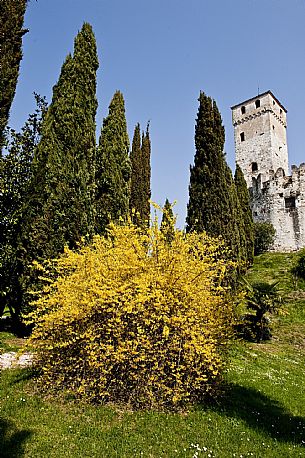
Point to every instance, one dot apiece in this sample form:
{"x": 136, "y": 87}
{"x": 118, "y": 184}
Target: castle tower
{"x": 260, "y": 136}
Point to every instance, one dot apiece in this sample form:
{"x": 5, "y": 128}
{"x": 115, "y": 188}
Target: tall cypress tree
{"x": 11, "y": 20}
{"x": 140, "y": 177}
{"x": 244, "y": 201}
{"x": 136, "y": 181}
{"x": 113, "y": 167}
{"x": 146, "y": 155}
{"x": 63, "y": 180}
{"x": 59, "y": 210}
{"x": 211, "y": 204}
{"x": 236, "y": 224}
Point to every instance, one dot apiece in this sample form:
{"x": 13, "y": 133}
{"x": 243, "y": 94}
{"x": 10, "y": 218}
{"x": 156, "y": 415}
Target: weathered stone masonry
{"x": 261, "y": 152}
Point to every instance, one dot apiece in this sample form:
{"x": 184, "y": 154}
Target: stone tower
{"x": 261, "y": 152}
{"x": 260, "y": 136}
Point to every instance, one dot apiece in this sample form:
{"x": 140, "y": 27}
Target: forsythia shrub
{"x": 132, "y": 318}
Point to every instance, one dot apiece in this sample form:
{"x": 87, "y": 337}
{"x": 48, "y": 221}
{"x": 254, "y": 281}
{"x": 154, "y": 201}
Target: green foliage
{"x": 11, "y": 20}
{"x": 113, "y": 168}
{"x": 134, "y": 319}
{"x": 236, "y": 225}
{"x": 263, "y": 298}
{"x": 135, "y": 202}
{"x": 246, "y": 218}
{"x": 146, "y": 175}
{"x": 60, "y": 207}
{"x": 298, "y": 270}
{"x": 15, "y": 176}
{"x": 273, "y": 266}
{"x": 168, "y": 222}
{"x": 213, "y": 204}
{"x": 264, "y": 234}
{"x": 140, "y": 178}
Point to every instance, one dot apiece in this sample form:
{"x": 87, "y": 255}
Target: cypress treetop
{"x": 136, "y": 184}
{"x": 212, "y": 206}
{"x": 207, "y": 172}
{"x": 11, "y": 20}
{"x": 146, "y": 176}
{"x": 60, "y": 209}
{"x": 113, "y": 166}
{"x": 168, "y": 221}
{"x": 140, "y": 178}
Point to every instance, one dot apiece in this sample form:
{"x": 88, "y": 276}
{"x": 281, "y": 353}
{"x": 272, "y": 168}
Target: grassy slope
{"x": 263, "y": 414}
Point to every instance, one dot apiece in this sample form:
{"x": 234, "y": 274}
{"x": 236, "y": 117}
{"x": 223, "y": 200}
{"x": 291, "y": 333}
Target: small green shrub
{"x": 135, "y": 319}
{"x": 298, "y": 269}
{"x": 263, "y": 299}
{"x": 264, "y": 234}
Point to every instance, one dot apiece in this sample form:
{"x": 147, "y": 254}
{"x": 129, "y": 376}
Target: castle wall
{"x": 281, "y": 201}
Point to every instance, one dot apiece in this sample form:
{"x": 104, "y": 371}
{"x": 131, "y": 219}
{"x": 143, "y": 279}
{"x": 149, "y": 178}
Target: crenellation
{"x": 262, "y": 153}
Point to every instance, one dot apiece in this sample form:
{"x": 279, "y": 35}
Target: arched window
{"x": 243, "y": 110}
{"x": 257, "y": 103}
{"x": 242, "y": 136}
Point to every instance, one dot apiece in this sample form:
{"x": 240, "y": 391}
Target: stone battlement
{"x": 241, "y": 119}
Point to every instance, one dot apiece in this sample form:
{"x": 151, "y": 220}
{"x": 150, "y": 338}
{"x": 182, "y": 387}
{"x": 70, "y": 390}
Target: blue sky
{"x": 160, "y": 54}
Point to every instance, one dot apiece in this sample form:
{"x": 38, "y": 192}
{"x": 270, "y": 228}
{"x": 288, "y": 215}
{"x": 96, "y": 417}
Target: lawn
{"x": 261, "y": 414}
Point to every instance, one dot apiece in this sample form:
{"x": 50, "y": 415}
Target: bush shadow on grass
{"x": 23, "y": 375}
{"x": 12, "y": 440}
{"x": 263, "y": 414}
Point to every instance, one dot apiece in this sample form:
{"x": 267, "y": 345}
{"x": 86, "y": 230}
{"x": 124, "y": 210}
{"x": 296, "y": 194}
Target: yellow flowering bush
{"x": 132, "y": 318}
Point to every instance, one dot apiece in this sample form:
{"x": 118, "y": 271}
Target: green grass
{"x": 8, "y": 342}
{"x": 271, "y": 267}
{"x": 262, "y": 413}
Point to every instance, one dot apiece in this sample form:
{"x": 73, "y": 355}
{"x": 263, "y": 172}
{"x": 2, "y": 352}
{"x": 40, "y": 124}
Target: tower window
{"x": 273, "y": 127}
{"x": 281, "y": 111}
{"x": 289, "y": 202}
{"x": 257, "y": 103}
{"x": 254, "y": 167}
{"x": 243, "y": 110}
{"x": 242, "y": 136}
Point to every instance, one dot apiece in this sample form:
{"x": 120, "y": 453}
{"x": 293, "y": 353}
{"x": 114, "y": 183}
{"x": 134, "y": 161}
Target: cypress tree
{"x": 168, "y": 221}
{"x": 63, "y": 180}
{"x": 211, "y": 205}
{"x": 140, "y": 178}
{"x": 246, "y": 213}
{"x": 60, "y": 206}
{"x": 11, "y": 20}
{"x": 236, "y": 225}
{"x": 146, "y": 154}
{"x": 136, "y": 182}
{"x": 113, "y": 167}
